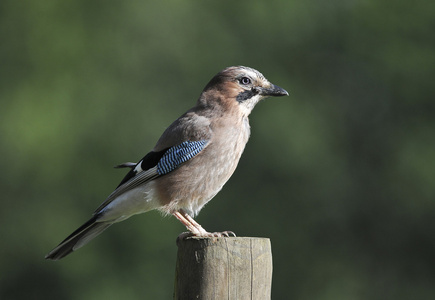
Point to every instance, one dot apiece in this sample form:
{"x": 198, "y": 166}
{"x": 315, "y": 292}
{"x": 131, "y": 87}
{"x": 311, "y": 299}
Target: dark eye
{"x": 245, "y": 80}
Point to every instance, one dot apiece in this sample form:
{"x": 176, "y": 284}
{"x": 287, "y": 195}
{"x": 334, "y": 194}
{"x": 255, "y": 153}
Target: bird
{"x": 190, "y": 163}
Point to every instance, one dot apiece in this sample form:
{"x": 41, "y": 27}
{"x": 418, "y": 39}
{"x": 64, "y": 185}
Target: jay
{"x": 191, "y": 161}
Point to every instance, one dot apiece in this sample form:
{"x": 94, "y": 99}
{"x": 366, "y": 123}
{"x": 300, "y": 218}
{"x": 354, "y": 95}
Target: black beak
{"x": 273, "y": 91}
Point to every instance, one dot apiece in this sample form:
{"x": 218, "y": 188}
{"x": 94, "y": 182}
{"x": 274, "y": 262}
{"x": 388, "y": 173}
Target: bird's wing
{"x": 130, "y": 165}
{"x": 156, "y": 164}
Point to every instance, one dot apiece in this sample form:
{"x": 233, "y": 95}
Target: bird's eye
{"x": 245, "y": 80}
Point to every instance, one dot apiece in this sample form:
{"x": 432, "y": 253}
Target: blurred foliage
{"x": 340, "y": 175}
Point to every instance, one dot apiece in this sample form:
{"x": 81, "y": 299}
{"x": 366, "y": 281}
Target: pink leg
{"x": 185, "y": 222}
{"x": 193, "y": 222}
{"x": 195, "y": 228}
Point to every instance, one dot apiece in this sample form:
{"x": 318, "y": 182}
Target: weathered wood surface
{"x": 223, "y": 268}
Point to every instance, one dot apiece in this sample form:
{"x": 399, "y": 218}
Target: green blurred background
{"x": 340, "y": 175}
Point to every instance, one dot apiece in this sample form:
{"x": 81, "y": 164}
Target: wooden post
{"x": 223, "y": 268}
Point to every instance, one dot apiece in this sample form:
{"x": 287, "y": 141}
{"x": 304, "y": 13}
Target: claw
{"x": 224, "y": 234}
{"x": 205, "y": 234}
{"x": 229, "y": 233}
{"x": 216, "y": 234}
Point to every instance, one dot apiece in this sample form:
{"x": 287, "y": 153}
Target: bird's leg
{"x": 193, "y": 222}
{"x": 204, "y": 232}
{"x": 182, "y": 218}
{"x": 189, "y": 222}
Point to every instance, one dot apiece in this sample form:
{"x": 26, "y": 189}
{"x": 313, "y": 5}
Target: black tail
{"x": 83, "y": 235}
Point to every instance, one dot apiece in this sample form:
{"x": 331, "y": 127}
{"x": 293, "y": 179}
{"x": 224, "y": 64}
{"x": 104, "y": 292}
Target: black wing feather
{"x": 83, "y": 234}
{"x": 147, "y": 162}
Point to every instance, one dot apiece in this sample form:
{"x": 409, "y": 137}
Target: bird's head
{"x": 241, "y": 86}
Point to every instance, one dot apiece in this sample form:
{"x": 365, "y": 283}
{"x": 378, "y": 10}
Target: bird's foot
{"x": 204, "y": 234}
{"x": 219, "y": 234}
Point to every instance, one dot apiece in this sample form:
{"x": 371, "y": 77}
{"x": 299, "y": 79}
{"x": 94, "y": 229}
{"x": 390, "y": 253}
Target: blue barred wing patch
{"x": 179, "y": 154}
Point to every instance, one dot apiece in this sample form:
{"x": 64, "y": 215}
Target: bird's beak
{"x": 274, "y": 91}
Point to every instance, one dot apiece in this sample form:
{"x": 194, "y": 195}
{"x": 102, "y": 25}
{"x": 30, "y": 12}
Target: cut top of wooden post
{"x": 223, "y": 268}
